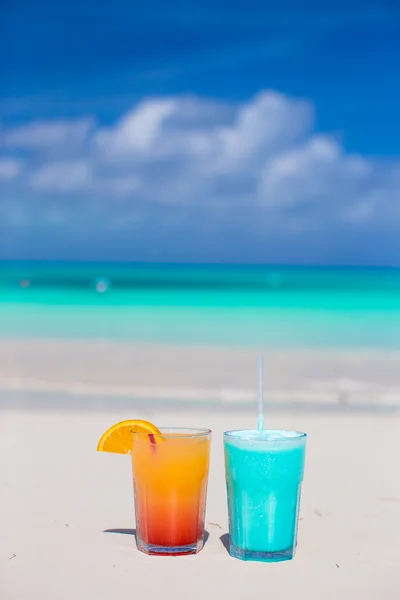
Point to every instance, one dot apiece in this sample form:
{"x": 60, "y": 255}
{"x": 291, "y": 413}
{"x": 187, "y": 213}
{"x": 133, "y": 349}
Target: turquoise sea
{"x": 202, "y": 304}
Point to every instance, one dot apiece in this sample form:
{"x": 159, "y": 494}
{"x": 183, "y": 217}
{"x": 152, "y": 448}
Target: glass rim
{"x": 233, "y": 434}
{"x": 176, "y": 432}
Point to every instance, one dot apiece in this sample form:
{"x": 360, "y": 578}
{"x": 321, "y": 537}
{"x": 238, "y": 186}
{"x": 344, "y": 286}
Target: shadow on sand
{"x": 225, "y": 542}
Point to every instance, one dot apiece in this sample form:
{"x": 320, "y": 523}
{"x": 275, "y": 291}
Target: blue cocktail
{"x": 264, "y": 473}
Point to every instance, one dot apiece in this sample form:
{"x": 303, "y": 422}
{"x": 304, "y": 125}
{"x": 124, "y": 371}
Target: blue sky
{"x": 240, "y": 131}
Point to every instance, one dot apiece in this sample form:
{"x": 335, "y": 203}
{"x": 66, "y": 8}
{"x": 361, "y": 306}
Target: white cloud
{"x": 316, "y": 169}
{"x": 360, "y": 211}
{"x": 121, "y": 185}
{"x": 62, "y": 177}
{"x": 138, "y": 131}
{"x": 158, "y": 130}
{"x": 43, "y": 134}
{"x": 190, "y": 151}
{"x": 263, "y": 127}
{"x": 10, "y": 168}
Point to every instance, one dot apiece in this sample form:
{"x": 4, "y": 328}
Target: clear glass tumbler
{"x": 264, "y": 474}
{"x": 170, "y": 474}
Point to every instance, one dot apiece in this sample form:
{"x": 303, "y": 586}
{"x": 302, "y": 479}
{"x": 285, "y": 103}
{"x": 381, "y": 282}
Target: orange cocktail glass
{"x": 170, "y": 474}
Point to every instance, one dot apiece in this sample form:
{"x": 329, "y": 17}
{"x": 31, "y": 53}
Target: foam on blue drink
{"x": 268, "y": 439}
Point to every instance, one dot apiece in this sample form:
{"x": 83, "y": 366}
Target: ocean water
{"x": 224, "y": 305}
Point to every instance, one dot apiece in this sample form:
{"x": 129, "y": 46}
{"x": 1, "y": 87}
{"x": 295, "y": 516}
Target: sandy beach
{"x": 67, "y": 513}
{"x": 67, "y": 519}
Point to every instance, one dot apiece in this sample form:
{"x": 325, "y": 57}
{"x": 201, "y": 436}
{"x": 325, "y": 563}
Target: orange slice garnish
{"x": 119, "y": 437}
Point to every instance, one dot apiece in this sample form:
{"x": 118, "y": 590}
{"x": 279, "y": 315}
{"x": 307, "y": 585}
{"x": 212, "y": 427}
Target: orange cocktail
{"x": 170, "y": 475}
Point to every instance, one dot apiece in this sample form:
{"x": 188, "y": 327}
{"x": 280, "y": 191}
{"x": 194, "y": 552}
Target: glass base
{"x": 257, "y": 555}
{"x": 156, "y": 550}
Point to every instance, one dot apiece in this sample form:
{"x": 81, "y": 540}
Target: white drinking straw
{"x": 260, "y": 394}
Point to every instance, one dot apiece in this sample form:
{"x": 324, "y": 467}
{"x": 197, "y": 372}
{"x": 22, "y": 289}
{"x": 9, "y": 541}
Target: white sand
{"x": 58, "y": 496}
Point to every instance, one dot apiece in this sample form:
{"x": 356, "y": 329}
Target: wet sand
{"x": 193, "y": 374}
